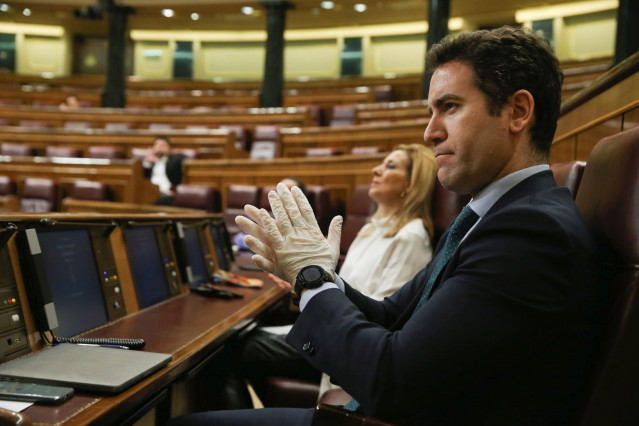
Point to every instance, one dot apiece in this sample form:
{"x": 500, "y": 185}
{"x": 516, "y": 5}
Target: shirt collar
{"x": 488, "y": 196}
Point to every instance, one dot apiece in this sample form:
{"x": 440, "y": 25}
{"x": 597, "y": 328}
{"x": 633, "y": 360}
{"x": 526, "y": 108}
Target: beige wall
{"x": 580, "y": 33}
{"x": 153, "y": 59}
{"x": 589, "y": 36}
{"x": 227, "y": 59}
{"x": 40, "y": 49}
{"x": 312, "y": 58}
{"x": 396, "y": 54}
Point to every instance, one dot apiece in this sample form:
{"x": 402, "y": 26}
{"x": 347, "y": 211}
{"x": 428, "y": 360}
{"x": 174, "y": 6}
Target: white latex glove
{"x": 295, "y": 240}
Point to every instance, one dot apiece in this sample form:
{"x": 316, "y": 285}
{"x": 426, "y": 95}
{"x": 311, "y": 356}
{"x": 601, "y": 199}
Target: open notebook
{"x": 88, "y": 368}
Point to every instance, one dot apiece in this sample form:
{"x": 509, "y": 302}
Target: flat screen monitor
{"x": 74, "y": 280}
{"x": 195, "y": 257}
{"x": 222, "y": 244}
{"x": 147, "y": 265}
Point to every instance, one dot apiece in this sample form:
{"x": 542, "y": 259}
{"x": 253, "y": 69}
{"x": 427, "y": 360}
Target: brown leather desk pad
{"x": 188, "y": 326}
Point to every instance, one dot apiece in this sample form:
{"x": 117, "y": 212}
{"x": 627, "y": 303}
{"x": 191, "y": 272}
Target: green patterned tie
{"x": 466, "y": 219}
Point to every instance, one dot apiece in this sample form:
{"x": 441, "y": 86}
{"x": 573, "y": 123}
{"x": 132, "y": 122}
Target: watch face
{"x": 312, "y": 274}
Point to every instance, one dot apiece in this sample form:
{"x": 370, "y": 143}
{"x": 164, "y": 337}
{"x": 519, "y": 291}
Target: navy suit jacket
{"x": 506, "y": 337}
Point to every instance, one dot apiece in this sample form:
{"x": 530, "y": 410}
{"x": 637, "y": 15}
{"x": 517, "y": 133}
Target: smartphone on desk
{"x": 33, "y": 392}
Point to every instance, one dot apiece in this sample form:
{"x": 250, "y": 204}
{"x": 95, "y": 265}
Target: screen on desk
{"x": 222, "y": 245}
{"x": 195, "y": 256}
{"x": 73, "y": 279}
{"x": 146, "y": 265}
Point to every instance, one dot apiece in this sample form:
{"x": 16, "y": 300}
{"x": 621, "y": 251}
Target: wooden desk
{"x": 142, "y": 118}
{"x": 124, "y": 177}
{"x": 190, "y": 327}
{"x": 214, "y": 143}
{"x": 295, "y": 141}
{"x": 340, "y": 174}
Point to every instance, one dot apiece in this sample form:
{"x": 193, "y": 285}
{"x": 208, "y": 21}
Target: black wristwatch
{"x": 311, "y": 276}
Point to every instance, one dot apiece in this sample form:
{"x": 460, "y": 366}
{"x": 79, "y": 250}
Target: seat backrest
{"x": 39, "y": 195}
{"x": 360, "y": 210}
{"x": 365, "y": 150}
{"x": 319, "y": 198}
{"x": 608, "y": 200}
{"x": 117, "y": 127}
{"x": 190, "y": 153}
{"x": 264, "y": 204}
{"x": 237, "y": 197}
{"x": 7, "y": 186}
{"x": 77, "y": 125}
{"x": 139, "y": 153}
{"x": 266, "y": 142}
{"x": 62, "y": 151}
{"x": 446, "y": 207}
{"x": 89, "y": 190}
{"x": 201, "y": 197}
{"x": 110, "y": 152}
{"x": 568, "y": 174}
{"x": 15, "y": 149}
{"x": 322, "y": 152}
{"x": 343, "y": 115}
{"x": 34, "y": 124}
{"x": 242, "y": 136}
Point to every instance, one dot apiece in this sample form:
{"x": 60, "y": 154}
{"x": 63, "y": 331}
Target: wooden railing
{"x": 215, "y": 143}
{"x": 123, "y": 177}
{"x": 296, "y": 141}
{"x": 98, "y": 117}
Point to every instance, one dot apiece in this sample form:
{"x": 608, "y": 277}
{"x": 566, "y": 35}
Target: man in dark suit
{"x": 163, "y": 168}
{"x": 500, "y": 328}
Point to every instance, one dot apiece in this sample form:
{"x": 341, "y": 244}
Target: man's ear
{"x": 523, "y": 107}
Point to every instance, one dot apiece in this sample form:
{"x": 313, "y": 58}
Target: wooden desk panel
{"x": 340, "y": 174}
{"x": 98, "y": 117}
{"x": 190, "y": 327}
{"x": 295, "y": 141}
{"x": 124, "y": 177}
{"x": 215, "y": 143}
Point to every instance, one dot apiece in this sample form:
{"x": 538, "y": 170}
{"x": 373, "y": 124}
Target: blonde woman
{"x": 395, "y": 244}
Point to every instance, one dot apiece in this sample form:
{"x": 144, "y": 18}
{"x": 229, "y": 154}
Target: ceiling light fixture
{"x": 4, "y": 7}
{"x": 169, "y": 13}
{"x": 247, "y": 10}
{"x": 195, "y": 16}
{"x": 26, "y": 12}
{"x": 327, "y": 5}
{"x": 360, "y": 7}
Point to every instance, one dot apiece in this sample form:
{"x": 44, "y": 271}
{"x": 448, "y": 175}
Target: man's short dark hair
{"x": 164, "y": 138}
{"x": 506, "y": 60}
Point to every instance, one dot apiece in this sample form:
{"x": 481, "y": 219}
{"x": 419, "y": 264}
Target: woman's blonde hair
{"x": 421, "y": 171}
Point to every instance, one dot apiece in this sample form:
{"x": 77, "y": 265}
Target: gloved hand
{"x": 285, "y": 245}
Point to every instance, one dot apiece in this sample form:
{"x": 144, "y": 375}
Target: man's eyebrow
{"x": 445, "y": 98}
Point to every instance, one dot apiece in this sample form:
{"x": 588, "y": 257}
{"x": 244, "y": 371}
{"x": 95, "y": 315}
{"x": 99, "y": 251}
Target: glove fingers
{"x": 335, "y": 233}
{"x": 290, "y": 205}
{"x": 254, "y": 213}
{"x": 280, "y": 214}
{"x": 258, "y": 247}
{"x": 304, "y": 207}
{"x": 251, "y": 228}
{"x": 263, "y": 263}
{"x": 275, "y": 236}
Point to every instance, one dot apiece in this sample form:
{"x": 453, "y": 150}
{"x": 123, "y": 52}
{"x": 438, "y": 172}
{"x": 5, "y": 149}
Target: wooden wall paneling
{"x": 631, "y": 119}
{"x": 619, "y": 96}
{"x": 564, "y": 150}
{"x": 587, "y": 139}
